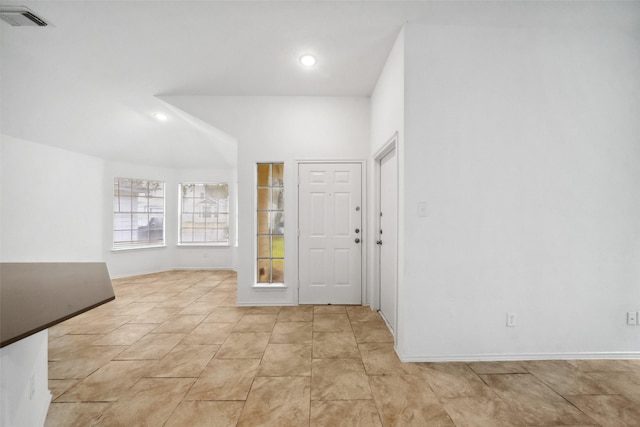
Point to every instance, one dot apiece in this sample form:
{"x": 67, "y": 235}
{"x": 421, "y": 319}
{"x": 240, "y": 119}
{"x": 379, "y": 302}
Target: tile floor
{"x": 174, "y": 350}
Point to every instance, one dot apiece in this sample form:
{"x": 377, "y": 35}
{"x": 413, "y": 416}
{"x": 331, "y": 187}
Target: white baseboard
{"x": 263, "y": 304}
{"x": 521, "y": 356}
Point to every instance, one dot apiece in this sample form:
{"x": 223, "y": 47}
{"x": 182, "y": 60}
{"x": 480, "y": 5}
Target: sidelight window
{"x": 270, "y": 223}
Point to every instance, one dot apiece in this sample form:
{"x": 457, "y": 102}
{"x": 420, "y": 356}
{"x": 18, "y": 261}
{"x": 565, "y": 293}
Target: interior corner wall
{"x": 52, "y": 207}
{"x": 387, "y": 120}
{"x": 280, "y": 129}
{"x": 522, "y": 139}
{"x": 124, "y": 263}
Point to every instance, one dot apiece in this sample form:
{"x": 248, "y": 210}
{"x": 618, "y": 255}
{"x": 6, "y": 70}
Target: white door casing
{"x": 388, "y": 215}
{"x": 330, "y": 233}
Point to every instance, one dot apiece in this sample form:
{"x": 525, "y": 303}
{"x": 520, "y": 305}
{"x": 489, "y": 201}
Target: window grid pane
{"x": 204, "y": 215}
{"x": 138, "y": 213}
{"x": 270, "y": 223}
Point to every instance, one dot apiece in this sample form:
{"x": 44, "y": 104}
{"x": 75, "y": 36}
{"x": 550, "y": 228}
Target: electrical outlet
{"x": 511, "y": 320}
{"x": 632, "y": 318}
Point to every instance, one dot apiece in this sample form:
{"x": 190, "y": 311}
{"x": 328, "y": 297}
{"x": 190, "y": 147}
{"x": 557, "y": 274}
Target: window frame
{"x": 226, "y": 243}
{"x": 257, "y": 210}
{"x": 148, "y": 244}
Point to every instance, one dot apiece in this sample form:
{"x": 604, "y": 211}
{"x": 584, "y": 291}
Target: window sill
{"x": 137, "y": 248}
{"x": 203, "y": 245}
{"x": 269, "y": 286}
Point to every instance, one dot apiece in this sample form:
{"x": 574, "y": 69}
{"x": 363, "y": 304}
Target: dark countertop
{"x": 35, "y": 296}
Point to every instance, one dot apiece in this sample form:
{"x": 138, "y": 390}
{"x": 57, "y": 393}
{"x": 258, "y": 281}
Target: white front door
{"x": 330, "y": 233}
{"x": 388, "y": 237}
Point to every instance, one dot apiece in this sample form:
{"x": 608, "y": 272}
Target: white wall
{"x": 522, "y": 137}
{"x": 24, "y": 382}
{"x": 280, "y": 129}
{"x": 387, "y": 120}
{"x": 51, "y": 204}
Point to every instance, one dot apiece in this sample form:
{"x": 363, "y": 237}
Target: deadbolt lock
{"x": 357, "y": 240}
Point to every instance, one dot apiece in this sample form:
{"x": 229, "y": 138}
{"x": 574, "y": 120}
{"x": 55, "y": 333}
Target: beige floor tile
{"x": 371, "y": 332}
{"x": 231, "y": 301}
{"x": 454, "y": 380}
{"x": 126, "y": 334}
{"x": 108, "y": 383}
{"x": 100, "y": 326}
{"x": 156, "y": 315}
{"x": 332, "y": 345}
{"x": 187, "y": 361}
{"x": 563, "y": 377}
{"x": 135, "y": 308}
{"x": 344, "y": 413}
{"x": 226, "y": 314}
{"x": 213, "y": 297}
{"x": 206, "y": 414}
{"x": 158, "y": 296}
{"x": 292, "y": 333}
{"x": 268, "y": 309}
{"x": 301, "y": 313}
{"x": 67, "y": 345}
{"x": 79, "y": 414}
{"x": 277, "y": 401}
{"x": 83, "y": 362}
{"x": 149, "y": 402}
{"x": 329, "y": 309}
{"x": 179, "y": 301}
{"x": 92, "y": 316}
{"x": 609, "y": 411}
{"x": 59, "y": 330}
{"x": 209, "y": 333}
{"x": 244, "y": 345}
{"x": 180, "y": 323}
{"x": 480, "y": 412}
{"x": 359, "y": 313}
{"x": 605, "y": 365}
{"x": 286, "y": 360}
{"x": 497, "y": 368}
{"x": 626, "y": 383}
{"x": 533, "y": 401}
{"x": 57, "y": 387}
{"x": 256, "y": 323}
{"x": 407, "y": 400}
{"x": 381, "y": 359}
{"x": 227, "y": 286}
{"x": 200, "y": 307}
{"x": 151, "y": 346}
{"x": 207, "y": 283}
{"x": 331, "y": 323}
{"x": 225, "y": 379}
{"x": 339, "y": 379}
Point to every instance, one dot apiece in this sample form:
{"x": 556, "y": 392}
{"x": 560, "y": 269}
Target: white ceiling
{"x": 90, "y": 81}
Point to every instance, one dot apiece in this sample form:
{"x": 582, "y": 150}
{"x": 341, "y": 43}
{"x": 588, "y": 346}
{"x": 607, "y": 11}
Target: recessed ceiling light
{"x": 161, "y": 117}
{"x": 308, "y": 60}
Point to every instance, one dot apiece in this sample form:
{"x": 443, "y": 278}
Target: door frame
{"x": 364, "y": 210}
{"x": 387, "y": 147}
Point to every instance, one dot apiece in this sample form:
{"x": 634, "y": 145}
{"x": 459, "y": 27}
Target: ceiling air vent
{"x": 21, "y": 17}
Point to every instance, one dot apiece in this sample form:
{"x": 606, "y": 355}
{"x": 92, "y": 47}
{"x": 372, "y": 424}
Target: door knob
{"x": 357, "y": 240}
{"x": 379, "y": 242}
{"x": 357, "y": 230}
